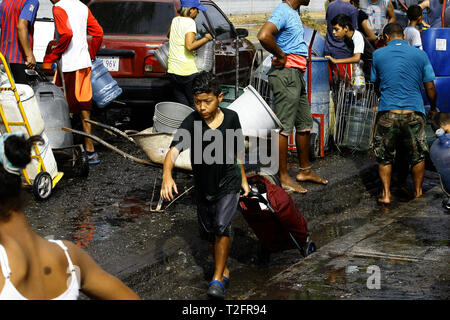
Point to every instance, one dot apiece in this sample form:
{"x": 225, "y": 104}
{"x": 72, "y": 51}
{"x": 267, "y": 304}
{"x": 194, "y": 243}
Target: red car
{"x": 133, "y": 30}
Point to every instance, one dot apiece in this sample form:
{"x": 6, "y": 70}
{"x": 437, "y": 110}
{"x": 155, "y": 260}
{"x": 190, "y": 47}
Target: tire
{"x": 42, "y": 186}
{"x": 314, "y": 146}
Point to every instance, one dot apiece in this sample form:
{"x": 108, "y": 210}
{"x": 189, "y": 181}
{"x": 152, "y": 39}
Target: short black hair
{"x": 440, "y": 119}
{"x": 414, "y": 12}
{"x": 393, "y": 28}
{"x": 342, "y": 20}
{"x": 355, "y": 2}
{"x": 205, "y": 82}
{"x": 18, "y": 152}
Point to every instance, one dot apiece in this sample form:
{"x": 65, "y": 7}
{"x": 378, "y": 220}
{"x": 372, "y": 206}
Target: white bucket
{"x": 12, "y": 113}
{"x": 47, "y": 157}
{"x": 254, "y": 113}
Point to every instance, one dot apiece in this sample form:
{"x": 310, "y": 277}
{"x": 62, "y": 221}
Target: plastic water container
{"x": 48, "y": 159}
{"x": 322, "y": 108}
{"x": 254, "y": 113}
{"x": 55, "y": 112}
{"x": 442, "y": 85}
{"x": 162, "y": 55}
{"x": 204, "y": 57}
{"x": 440, "y": 155}
{"x": 319, "y": 41}
{"x": 104, "y": 87}
{"x": 30, "y": 107}
{"x": 359, "y": 127}
{"x": 436, "y": 42}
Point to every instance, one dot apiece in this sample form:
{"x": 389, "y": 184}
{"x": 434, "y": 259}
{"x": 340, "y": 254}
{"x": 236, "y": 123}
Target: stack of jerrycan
{"x": 436, "y": 43}
{"x": 104, "y": 87}
{"x": 12, "y": 114}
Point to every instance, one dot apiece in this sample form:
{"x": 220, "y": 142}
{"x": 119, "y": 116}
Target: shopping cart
{"x": 355, "y": 116}
{"x": 41, "y": 175}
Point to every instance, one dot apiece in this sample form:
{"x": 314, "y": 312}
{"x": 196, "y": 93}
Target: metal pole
{"x": 236, "y": 91}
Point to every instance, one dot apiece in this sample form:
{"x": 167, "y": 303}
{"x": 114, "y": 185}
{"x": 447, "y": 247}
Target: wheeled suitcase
{"x": 272, "y": 215}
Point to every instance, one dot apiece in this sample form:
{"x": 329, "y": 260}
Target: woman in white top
{"x": 182, "y": 43}
{"x": 32, "y": 267}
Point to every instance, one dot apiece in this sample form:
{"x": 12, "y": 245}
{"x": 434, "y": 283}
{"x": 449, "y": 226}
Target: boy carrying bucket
{"x": 218, "y": 172}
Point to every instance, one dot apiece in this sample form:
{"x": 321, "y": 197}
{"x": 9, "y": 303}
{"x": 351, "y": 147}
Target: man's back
{"x": 334, "y": 47}
{"x": 401, "y": 70}
{"x": 10, "y": 12}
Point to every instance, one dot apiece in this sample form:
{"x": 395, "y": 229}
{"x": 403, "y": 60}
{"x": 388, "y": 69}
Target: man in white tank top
{"x": 73, "y": 21}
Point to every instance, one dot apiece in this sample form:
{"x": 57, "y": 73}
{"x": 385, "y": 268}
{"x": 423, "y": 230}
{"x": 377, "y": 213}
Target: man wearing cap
{"x": 182, "y": 43}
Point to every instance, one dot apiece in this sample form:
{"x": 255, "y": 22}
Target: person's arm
{"x": 390, "y": 12}
{"x": 370, "y": 35}
{"x": 22, "y": 31}
{"x": 353, "y": 59}
{"x": 191, "y": 44}
{"x": 96, "y": 283}
{"x": 266, "y": 37}
{"x": 65, "y": 32}
{"x": 168, "y": 184}
{"x": 244, "y": 184}
{"x": 425, "y": 4}
{"x": 430, "y": 90}
{"x": 96, "y": 31}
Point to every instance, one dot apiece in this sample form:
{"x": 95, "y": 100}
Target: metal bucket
{"x": 55, "y": 112}
{"x": 162, "y": 55}
{"x": 254, "y": 113}
{"x": 169, "y": 116}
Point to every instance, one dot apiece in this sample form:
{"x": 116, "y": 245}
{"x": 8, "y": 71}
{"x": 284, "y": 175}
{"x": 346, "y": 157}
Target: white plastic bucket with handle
{"x": 255, "y": 115}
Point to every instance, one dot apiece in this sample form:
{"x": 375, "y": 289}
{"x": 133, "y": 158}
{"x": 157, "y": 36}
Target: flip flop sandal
{"x": 216, "y": 290}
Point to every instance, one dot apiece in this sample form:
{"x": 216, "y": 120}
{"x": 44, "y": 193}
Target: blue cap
{"x": 192, "y": 4}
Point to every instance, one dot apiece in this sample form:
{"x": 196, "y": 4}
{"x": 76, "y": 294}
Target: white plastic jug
{"x": 47, "y": 157}
{"x": 30, "y": 106}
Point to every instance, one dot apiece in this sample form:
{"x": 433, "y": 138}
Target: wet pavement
{"x": 160, "y": 256}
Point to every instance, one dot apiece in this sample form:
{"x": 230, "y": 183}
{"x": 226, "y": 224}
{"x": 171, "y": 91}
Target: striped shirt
{"x": 10, "y": 13}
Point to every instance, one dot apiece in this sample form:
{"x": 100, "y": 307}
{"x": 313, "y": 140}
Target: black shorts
{"x": 214, "y": 217}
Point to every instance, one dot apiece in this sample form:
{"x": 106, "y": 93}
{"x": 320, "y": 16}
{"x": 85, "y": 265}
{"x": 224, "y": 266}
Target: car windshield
{"x": 133, "y": 17}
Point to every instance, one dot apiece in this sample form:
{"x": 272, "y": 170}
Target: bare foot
{"x": 309, "y": 175}
{"x": 290, "y": 186}
{"x": 418, "y": 194}
{"x": 385, "y": 198}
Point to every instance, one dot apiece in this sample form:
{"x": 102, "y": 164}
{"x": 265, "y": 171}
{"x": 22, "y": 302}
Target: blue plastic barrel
{"x": 436, "y": 43}
{"x": 320, "y": 94}
{"x": 104, "y": 87}
{"x": 440, "y": 155}
{"x": 319, "y": 41}
{"x": 442, "y": 85}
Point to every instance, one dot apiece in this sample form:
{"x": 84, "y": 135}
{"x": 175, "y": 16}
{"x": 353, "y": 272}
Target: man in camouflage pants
{"x": 400, "y": 70}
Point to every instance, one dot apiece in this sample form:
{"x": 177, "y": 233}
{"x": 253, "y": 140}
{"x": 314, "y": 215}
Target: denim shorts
{"x": 394, "y": 130}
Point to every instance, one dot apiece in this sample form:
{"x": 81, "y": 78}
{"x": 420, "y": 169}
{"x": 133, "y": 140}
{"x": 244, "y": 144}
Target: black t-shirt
{"x": 216, "y": 170}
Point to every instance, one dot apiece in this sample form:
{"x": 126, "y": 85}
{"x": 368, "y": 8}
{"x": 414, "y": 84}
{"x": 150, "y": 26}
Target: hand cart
{"x": 355, "y": 116}
{"x": 43, "y": 182}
